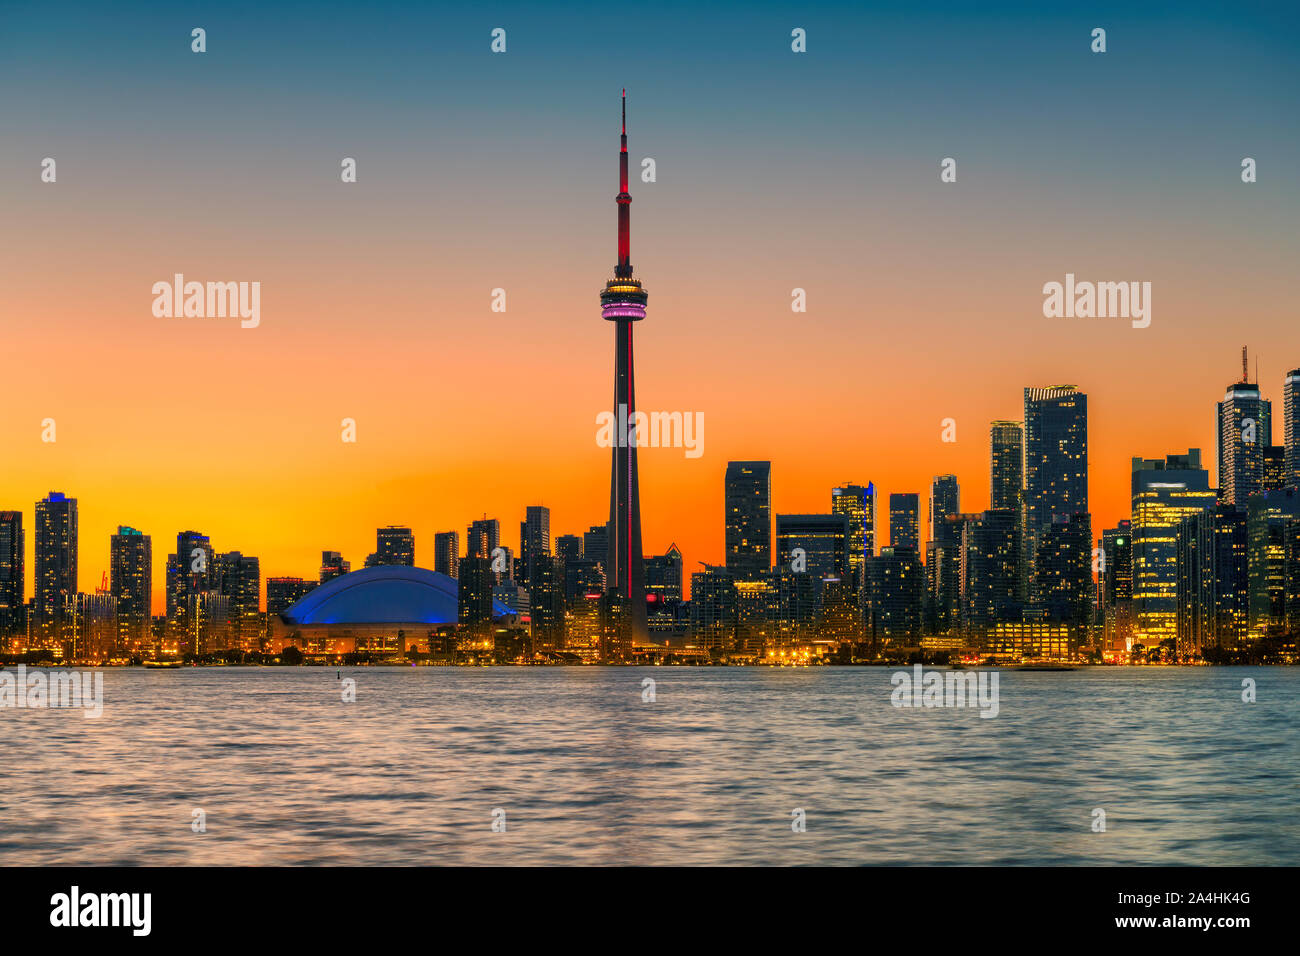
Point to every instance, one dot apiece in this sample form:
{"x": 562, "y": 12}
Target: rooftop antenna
{"x": 1245, "y": 372}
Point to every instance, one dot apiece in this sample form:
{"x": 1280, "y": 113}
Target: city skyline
{"x": 376, "y": 294}
{"x": 86, "y": 560}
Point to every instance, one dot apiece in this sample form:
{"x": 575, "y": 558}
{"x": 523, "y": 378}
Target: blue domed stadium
{"x": 390, "y": 594}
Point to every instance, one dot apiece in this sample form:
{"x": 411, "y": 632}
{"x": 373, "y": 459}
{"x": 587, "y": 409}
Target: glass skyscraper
{"x": 1244, "y": 430}
{"x": 56, "y": 567}
{"x": 12, "y": 577}
{"x": 1291, "y": 416}
{"x": 858, "y": 505}
{"x": 130, "y": 580}
{"x": 748, "y": 530}
{"x": 1056, "y": 467}
{"x": 905, "y": 521}
{"x": 446, "y": 553}
{"x": 1164, "y": 493}
{"x": 1006, "y": 464}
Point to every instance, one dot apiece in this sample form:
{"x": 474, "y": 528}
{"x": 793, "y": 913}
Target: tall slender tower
{"x": 623, "y": 302}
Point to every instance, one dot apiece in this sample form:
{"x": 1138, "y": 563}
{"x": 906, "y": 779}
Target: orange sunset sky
{"x": 474, "y": 172}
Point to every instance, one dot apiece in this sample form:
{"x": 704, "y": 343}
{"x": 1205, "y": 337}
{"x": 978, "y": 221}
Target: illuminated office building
{"x": 1006, "y": 465}
{"x": 284, "y": 593}
{"x": 821, "y": 540}
{"x": 1212, "y": 580}
{"x": 1056, "y": 469}
{"x": 943, "y": 555}
{"x": 240, "y": 581}
{"x": 1116, "y": 580}
{"x": 747, "y": 497}
{"x": 858, "y": 505}
{"x": 757, "y": 610}
{"x": 1291, "y": 419}
{"x": 482, "y": 538}
{"x": 905, "y": 521}
{"x": 713, "y": 608}
{"x": 546, "y": 604}
{"x": 446, "y": 553}
{"x": 1164, "y": 492}
{"x": 534, "y": 538}
{"x": 896, "y": 589}
{"x": 1274, "y": 474}
{"x": 13, "y": 579}
{"x": 990, "y": 548}
{"x": 130, "y": 580}
{"x": 333, "y": 566}
{"x": 56, "y": 568}
{"x": 1064, "y": 563}
{"x": 1244, "y": 429}
{"x": 474, "y": 597}
{"x": 394, "y": 547}
{"x": 1267, "y": 515}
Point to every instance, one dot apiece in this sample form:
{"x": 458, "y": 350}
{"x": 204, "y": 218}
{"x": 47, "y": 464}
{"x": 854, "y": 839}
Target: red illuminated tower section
{"x": 623, "y": 303}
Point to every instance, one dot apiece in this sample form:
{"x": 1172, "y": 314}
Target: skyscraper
{"x": 1117, "y": 586}
{"x": 945, "y": 499}
{"x": 1291, "y": 416}
{"x": 1244, "y": 428}
{"x": 474, "y": 597}
{"x": 1064, "y": 563}
{"x": 663, "y": 585}
{"x": 905, "y": 521}
{"x": 1212, "y": 583}
{"x": 130, "y": 579}
{"x": 1273, "y": 471}
{"x": 13, "y": 580}
{"x": 56, "y": 566}
{"x": 595, "y": 544}
{"x": 534, "y": 537}
{"x": 240, "y": 581}
{"x": 546, "y": 602}
{"x": 284, "y": 593}
{"x": 1164, "y": 493}
{"x": 482, "y": 538}
{"x": 990, "y": 547}
{"x": 395, "y": 545}
{"x": 333, "y": 566}
{"x": 943, "y": 554}
{"x": 446, "y": 553}
{"x": 895, "y": 588}
{"x": 192, "y": 574}
{"x": 1006, "y": 464}
{"x": 713, "y": 607}
{"x": 663, "y": 575}
{"x": 1056, "y": 467}
{"x": 858, "y": 505}
{"x": 623, "y": 302}
{"x": 1267, "y": 516}
{"x": 814, "y": 544}
{"x": 568, "y": 547}
{"x": 748, "y": 530}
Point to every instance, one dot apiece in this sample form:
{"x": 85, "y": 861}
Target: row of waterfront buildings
{"x": 1196, "y": 570}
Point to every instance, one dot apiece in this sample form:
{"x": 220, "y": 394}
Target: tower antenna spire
{"x": 624, "y": 199}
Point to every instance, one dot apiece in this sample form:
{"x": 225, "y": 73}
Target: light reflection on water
{"x": 410, "y": 773}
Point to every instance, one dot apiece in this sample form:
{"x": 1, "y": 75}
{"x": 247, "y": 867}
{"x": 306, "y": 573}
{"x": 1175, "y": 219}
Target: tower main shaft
{"x": 623, "y": 302}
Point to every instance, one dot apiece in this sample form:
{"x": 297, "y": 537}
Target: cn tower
{"x": 623, "y": 302}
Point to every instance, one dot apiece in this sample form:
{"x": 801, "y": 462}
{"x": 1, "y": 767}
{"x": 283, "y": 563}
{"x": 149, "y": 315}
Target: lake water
{"x": 586, "y": 772}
